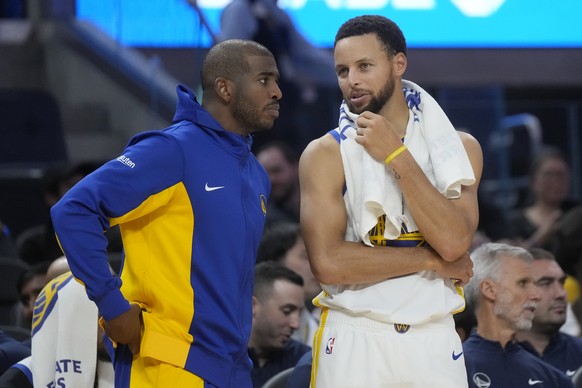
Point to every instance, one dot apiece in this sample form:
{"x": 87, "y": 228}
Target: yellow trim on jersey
{"x": 411, "y": 236}
{"x": 317, "y": 346}
{"x": 460, "y": 291}
{"x": 44, "y": 301}
{"x": 157, "y": 240}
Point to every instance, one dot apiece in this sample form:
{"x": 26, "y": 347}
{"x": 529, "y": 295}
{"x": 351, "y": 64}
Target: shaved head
{"x": 228, "y": 60}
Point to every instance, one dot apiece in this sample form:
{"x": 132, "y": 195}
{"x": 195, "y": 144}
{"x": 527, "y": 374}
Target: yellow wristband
{"x": 394, "y": 154}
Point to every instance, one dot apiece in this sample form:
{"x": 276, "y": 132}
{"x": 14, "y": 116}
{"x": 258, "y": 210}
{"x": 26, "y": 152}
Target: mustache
{"x": 357, "y": 92}
{"x": 530, "y": 305}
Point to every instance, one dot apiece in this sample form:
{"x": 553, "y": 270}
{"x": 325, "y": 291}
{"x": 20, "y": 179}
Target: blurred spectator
{"x": 277, "y": 303}
{"x": 38, "y": 243}
{"x": 566, "y": 242}
{"x": 265, "y": 22}
{"x": 29, "y": 286}
{"x": 282, "y": 242}
{"x": 544, "y": 339}
{"x": 11, "y": 351}
{"x": 307, "y": 72}
{"x": 492, "y": 221}
{"x": 281, "y": 162}
{"x": 549, "y": 187}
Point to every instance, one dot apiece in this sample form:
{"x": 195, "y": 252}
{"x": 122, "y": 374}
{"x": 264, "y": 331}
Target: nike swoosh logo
{"x": 456, "y": 356}
{"x": 570, "y": 373}
{"x": 534, "y": 382}
{"x": 212, "y": 188}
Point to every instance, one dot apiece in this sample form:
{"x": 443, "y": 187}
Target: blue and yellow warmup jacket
{"x": 190, "y": 201}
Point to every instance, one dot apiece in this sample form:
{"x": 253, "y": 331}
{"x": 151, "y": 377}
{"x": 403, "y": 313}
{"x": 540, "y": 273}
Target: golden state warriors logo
{"x": 264, "y": 204}
{"x": 46, "y": 300}
{"x": 401, "y": 328}
{"x": 406, "y": 238}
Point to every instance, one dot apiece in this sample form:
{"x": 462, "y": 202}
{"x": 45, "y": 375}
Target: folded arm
{"x": 323, "y": 224}
{"x": 448, "y": 225}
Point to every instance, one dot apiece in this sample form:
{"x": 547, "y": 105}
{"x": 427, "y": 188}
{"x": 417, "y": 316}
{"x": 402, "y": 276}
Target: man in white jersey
{"x": 388, "y": 212}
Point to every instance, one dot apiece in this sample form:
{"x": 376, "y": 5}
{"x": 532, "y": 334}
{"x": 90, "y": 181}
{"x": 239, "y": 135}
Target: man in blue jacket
{"x": 504, "y": 296}
{"x": 190, "y": 201}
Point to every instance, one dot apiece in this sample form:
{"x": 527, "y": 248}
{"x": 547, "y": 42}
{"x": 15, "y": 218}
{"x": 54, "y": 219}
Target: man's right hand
{"x": 460, "y": 271}
{"x": 125, "y": 328}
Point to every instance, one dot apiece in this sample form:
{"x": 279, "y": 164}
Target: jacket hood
{"x": 188, "y": 108}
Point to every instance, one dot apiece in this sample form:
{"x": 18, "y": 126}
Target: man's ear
{"x": 224, "y": 88}
{"x": 488, "y": 289}
{"x": 400, "y": 64}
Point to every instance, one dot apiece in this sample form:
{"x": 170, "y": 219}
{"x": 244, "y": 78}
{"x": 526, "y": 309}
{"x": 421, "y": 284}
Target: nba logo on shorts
{"x": 329, "y": 346}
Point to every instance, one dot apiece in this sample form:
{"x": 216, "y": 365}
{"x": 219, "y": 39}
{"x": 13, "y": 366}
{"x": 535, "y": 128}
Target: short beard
{"x": 247, "y": 115}
{"x": 378, "y": 101}
{"x": 522, "y": 324}
{"x": 501, "y": 310}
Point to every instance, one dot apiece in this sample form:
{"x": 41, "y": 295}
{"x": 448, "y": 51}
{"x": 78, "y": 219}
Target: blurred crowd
{"x": 536, "y": 319}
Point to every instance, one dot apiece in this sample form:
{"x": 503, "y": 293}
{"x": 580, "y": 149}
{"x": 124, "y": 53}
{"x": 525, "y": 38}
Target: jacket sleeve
{"x": 151, "y": 163}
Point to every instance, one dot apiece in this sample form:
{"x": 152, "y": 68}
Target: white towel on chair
{"x": 64, "y": 336}
{"x": 372, "y": 190}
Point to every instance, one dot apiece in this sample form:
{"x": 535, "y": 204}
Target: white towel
{"x": 371, "y": 189}
{"x": 64, "y": 336}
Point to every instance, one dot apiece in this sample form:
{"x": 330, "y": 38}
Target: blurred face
{"x": 255, "y": 104}
{"x": 277, "y": 317}
{"x": 283, "y": 175}
{"x": 296, "y": 260}
{"x": 365, "y": 73}
{"x": 28, "y": 295}
{"x": 551, "y": 182}
{"x": 550, "y": 313}
{"x": 516, "y": 294}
